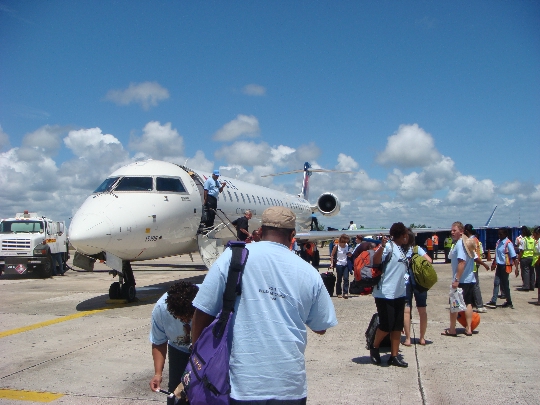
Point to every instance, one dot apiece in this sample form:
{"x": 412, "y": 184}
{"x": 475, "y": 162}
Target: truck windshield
{"x": 106, "y": 185}
{"x": 21, "y": 226}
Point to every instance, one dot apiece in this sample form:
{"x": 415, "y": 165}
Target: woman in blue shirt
{"x": 390, "y": 293}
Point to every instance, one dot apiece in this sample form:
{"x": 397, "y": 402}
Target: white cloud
{"x": 45, "y": 141}
{"x": 254, "y": 90}
{"x": 346, "y": 163}
{"x": 410, "y": 146}
{"x": 468, "y": 190}
{"x": 158, "y": 142}
{"x": 89, "y": 143}
{"x": 4, "y": 139}
{"x": 245, "y": 153}
{"x": 147, "y": 94}
{"x": 241, "y": 125}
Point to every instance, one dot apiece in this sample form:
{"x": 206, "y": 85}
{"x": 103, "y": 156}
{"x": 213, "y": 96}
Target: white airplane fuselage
{"x": 140, "y": 212}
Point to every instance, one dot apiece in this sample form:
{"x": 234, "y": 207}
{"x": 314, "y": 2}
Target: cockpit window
{"x": 135, "y": 184}
{"x": 169, "y": 184}
{"x": 106, "y": 185}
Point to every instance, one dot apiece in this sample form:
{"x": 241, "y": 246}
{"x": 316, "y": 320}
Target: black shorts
{"x": 390, "y": 313}
{"x": 468, "y": 292}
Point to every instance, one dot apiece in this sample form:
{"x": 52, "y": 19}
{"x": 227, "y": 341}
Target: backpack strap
{"x": 233, "y": 287}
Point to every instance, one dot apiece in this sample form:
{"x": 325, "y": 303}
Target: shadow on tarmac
{"x": 147, "y": 295}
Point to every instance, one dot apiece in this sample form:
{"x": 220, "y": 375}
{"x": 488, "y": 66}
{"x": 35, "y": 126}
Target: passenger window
{"x": 169, "y": 184}
{"x": 249, "y": 201}
{"x": 230, "y": 195}
{"x": 236, "y": 195}
{"x": 243, "y": 199}
{"x": 106, "y": 185}
{"x": 135, "y": 184}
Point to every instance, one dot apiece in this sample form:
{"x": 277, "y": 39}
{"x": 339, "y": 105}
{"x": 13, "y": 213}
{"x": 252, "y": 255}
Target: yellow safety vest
{"x": 448, "y": 242}
{"x": 529, "y": 247}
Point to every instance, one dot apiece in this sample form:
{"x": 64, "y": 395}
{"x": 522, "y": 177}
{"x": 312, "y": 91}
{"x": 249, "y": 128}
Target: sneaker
{"x": 491, "y": 304}
{"x": 480, "y": 310}
{"x": 507, "y": 305}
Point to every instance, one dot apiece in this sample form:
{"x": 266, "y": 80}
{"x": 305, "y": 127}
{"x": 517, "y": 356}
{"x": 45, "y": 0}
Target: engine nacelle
{"x": 328, "y": 204}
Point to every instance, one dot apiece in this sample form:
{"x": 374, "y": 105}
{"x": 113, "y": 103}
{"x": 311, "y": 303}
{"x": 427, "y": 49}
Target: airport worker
{"x": 171, "y": 331}
{"x": 505, "y": 257}
{"x": 57, "y": 264}
{"x": 314, "y": 222}
{"x": 469, "y": 231}
{"x": 536, "y": 259}
{"x": 420, "y": 296}
{"x": 338, "y": 259}
{"x": 435, "y": 240}
{"x": 462, "y": 258}
{"x": 352, "y": 226}
{"x": 429, "y": 247}
{"x": 242, "y": 225}
{"x": 212, "y": 188}
{"x": 390, "y": 294}
{"x": 525, "y": 256}
{"x": 281, "y": 295}
{"x": 447, "y": 247}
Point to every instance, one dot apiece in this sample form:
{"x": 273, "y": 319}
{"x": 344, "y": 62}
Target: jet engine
{"x": 328, "y": 204}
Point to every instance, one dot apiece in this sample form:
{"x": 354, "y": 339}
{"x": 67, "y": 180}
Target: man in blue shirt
{"x": 281, "y": 295}
{"x": 462, "y": 259}
{"x": 212, "y": 188}
{"x": 505, "y": 258}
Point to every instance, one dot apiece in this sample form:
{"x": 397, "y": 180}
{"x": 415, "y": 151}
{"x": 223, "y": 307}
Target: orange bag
{"x": 463, "y": 321}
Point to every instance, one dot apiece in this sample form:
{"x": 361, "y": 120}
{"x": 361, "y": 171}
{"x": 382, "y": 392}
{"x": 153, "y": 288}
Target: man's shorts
{"x": 468, "y": 292}
{"x": 420, "y": 297}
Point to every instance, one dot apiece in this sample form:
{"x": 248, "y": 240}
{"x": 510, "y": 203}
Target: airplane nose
{"x": 90, "y": 233}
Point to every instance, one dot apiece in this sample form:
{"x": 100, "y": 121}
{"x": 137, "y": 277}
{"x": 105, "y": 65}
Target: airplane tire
{"x": 115, "y": 292}
{"x": 46, "y": 268}
{"x": 128, "y": 291}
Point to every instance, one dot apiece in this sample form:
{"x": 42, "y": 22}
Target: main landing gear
{"x": 125, "y": 286}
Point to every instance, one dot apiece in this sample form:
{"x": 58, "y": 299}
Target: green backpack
{"x": 423, "y": 271}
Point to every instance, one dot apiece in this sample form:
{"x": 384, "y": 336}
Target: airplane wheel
{"x": 115, "y": 291}
{"x": 128, "y": 291}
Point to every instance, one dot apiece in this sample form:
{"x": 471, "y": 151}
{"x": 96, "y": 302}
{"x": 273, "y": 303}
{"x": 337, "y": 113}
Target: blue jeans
{"x": 342, "y": 274}
{"x": 270, "y": 402}
{"x": 501, "y": 278}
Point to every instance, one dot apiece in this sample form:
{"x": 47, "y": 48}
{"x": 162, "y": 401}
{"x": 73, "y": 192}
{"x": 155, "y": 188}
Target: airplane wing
{"x": 316, "y": 236}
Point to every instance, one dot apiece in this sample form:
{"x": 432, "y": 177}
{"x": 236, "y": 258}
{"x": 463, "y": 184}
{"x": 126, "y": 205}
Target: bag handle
{"x": 233, "y": 287}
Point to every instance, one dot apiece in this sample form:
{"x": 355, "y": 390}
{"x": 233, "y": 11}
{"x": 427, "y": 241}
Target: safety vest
{"x": 536, "y": 253}
{"x": 448, "y": 242}
{"x": 429, "y": 244}
{"x": 435, "y": 240}
{"x": 529, "y": 243}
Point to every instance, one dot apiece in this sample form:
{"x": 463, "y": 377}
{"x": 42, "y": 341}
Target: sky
{"x": 435, "y": 106}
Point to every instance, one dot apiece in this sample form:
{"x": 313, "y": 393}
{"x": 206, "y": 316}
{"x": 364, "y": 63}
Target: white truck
{"x": 28, "y": 243}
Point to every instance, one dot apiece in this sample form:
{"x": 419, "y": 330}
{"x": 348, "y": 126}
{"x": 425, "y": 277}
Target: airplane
{"x": 151, "y": 209}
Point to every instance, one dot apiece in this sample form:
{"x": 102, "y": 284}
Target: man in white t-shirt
{"x": 352, "y": 226}
{"x": 281, "y": 295}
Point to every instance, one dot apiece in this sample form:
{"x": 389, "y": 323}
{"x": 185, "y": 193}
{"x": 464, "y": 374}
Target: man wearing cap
{"x": 212, "y": 188}
{"x": 462, "y": 257}
{"x": 281, "y": 295}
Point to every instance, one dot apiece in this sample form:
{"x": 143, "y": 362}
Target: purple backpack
{"x": 206, "y": 378}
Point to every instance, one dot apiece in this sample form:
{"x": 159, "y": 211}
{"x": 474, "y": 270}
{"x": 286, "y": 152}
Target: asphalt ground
{"x": 62, "y": 341}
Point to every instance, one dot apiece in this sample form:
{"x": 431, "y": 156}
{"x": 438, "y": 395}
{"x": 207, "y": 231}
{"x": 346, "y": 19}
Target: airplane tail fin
{"x": 490, "y": 217}
{"x": 305, "y": 183}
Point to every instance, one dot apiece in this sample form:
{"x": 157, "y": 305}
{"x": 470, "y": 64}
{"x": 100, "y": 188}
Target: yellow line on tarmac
{"x": 34, "y": 396}
{"x": 51, "y": 322}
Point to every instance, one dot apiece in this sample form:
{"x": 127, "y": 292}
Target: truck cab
{"x": 28, "y": 242}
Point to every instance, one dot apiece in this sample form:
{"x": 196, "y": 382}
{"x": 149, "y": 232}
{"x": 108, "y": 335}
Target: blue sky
{"x": 436, "y": 103}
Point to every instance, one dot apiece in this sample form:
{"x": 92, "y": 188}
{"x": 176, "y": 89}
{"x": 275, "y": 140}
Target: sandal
{"x": 447, "y": 333}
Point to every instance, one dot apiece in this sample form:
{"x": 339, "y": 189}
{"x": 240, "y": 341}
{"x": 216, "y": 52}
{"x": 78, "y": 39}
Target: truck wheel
{"x": 115, "y": 291}
{"x": 128, "y": 291}
{"x": 46, "y": 267}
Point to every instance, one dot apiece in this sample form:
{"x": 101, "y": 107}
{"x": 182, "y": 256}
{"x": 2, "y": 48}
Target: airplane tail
{"x": 305, "y": 183}
{"x": 490, "y": 217}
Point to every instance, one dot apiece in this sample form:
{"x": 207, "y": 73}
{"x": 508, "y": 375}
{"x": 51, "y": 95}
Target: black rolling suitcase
{"x": 370, "y": 333}
{"x": 329, "y": 280}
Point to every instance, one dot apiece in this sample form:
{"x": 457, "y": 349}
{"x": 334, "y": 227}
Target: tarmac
{"x": 62, "y": 341}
